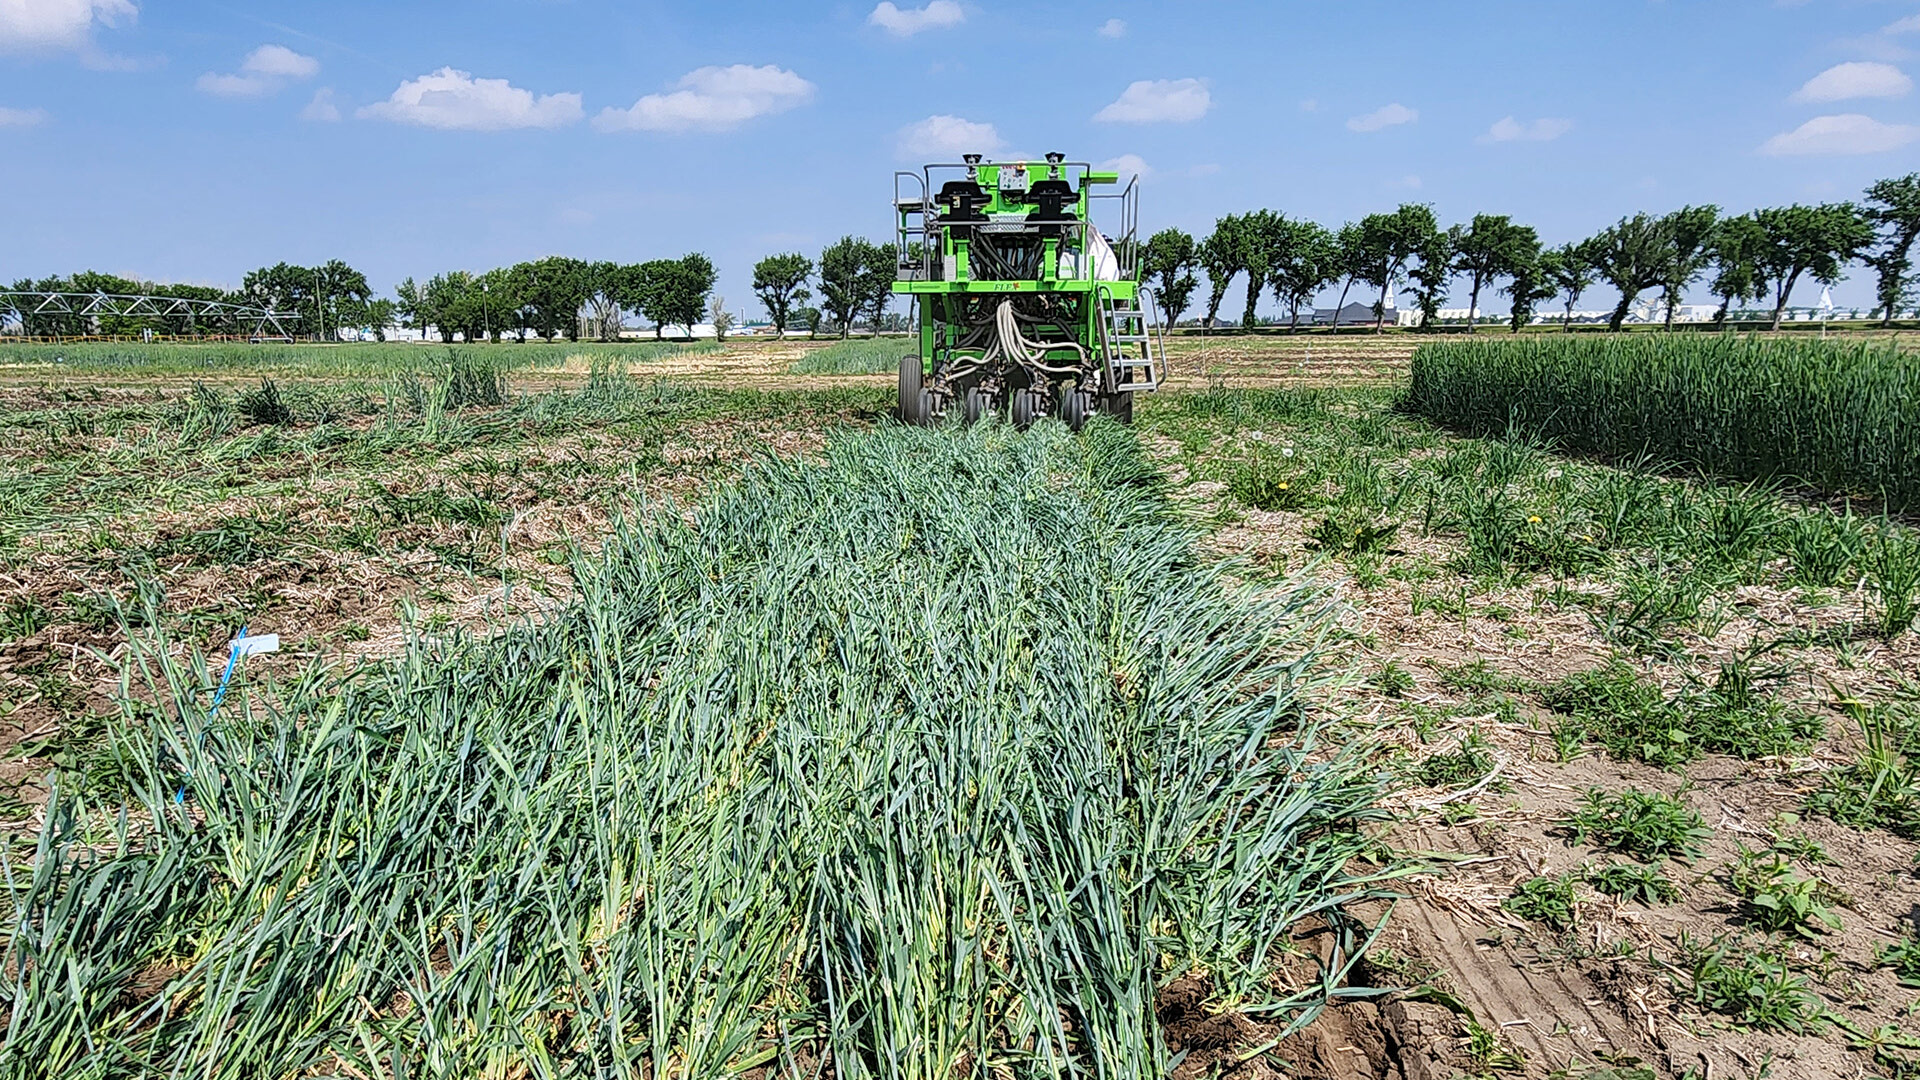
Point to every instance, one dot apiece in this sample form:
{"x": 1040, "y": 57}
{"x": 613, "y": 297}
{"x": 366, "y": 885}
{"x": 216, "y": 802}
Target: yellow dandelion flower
{"x": 1283, "y": 485}
{"x": 1533, "y": 520}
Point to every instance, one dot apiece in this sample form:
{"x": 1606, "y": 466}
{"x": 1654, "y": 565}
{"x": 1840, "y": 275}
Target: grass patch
{"x": 855, "y": 356}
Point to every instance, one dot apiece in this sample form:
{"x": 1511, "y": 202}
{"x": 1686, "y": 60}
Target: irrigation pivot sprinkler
{"x": 1024, "y": 305}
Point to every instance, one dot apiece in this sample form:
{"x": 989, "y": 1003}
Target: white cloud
{"x": 937, "y": 15}
{"x": 1153, "y": 101}
{"x": 946, "y": 138}
{"x": 1310, "y": 105}
{"x": 1385, "y": 116}
{"x": 1127, "y": 165}
{"x": 1113, "y": 28}
{"x": 1545, "y": 129}
{"x": 712, "y": 99}
{"x": 279, "y": 62}
{"x": 1409, "y": 182}
{"x": 21, "y": 117}
{"x": 1848, "y": 133}
{"x": 321, "y": 110}
{"x": 264, "y": 71}
{"x": 456, "y": 101}
{"x": 27, "y": 25}
{"x": 1856, "y": 79}
{"x": 1908, "y": 25}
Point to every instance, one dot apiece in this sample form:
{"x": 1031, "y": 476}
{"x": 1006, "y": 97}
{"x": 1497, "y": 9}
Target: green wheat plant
{"x": 1843, "y": 417}
{"x": 853, "y": 762}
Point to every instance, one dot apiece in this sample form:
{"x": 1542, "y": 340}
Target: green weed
{"x": 1823, "y": 546}
{"x": 1753, "y": 988}
{"x": 1348, "y": 532}
{"x": 1878, "y": 789}
{"x": 1893, "y": 568}
{"x": 262, "y": 405}
{"x": 1548, "y": 900}
{"x": 1465, "y": 763}
{"x": 1630, "y": 716}
{"x": 1648, "y": 885}
{"x": 1392, "y": 679}
{"x": 1903, "y": 957}
{"x": 1260, "y": 485}
{"x": 1646, "y": 825}
{"x": 23, "y": 617}
{"x": 1777, "y": 899}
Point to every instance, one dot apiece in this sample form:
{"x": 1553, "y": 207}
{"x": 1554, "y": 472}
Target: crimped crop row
{"x": 940, "y": 758}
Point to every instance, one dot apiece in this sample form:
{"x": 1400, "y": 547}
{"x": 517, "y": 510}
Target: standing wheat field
{"x": 1842, "y": 417}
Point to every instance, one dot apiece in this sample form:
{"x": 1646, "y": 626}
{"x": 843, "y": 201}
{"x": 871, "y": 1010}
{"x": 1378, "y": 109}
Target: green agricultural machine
{"x": 1024, "y": 308}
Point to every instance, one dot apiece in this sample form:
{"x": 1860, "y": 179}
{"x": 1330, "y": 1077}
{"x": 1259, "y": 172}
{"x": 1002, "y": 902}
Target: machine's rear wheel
{"x": 1028, "y": 406}
{"x": 980, "y": 404}
{"x": 1119, "y": 406}
{"x": 1076, "y": 406}
{"x": 913, "y": 399}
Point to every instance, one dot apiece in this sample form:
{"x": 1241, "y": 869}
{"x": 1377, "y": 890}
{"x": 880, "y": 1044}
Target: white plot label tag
{"x": 257, "y": 643}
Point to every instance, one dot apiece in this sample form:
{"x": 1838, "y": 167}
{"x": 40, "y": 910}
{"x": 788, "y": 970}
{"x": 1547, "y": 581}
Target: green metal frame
{"x": 943, "y": 304}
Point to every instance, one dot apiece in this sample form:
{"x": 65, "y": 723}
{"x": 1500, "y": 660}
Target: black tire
{"x": 1027, "y": 407}
{"x": 980, "y": 405}
{"x": 1076, "y": 407}
{"x": 913, "y": 399}
{"x": 1119, "y": 406}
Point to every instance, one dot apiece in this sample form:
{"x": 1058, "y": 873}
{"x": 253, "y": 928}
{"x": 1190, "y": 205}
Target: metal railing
{"x": 917, "y": 244}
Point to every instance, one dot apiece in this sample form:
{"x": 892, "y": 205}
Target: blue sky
{"x": 193, "y": 141}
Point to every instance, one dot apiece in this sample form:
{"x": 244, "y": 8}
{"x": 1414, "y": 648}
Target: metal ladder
{"x": 1133, "y": 341}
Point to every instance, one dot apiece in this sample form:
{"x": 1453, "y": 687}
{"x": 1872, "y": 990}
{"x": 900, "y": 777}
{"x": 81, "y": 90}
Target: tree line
{"x": 1753, "y": 257}
{"x": 546, "y": 298}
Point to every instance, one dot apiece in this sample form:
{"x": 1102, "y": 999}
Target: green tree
{"x": 1894, "y": 208}
{"x": 1432, "y": 275}
{"x": 1349, "y": 262}
{"x": 679, "y": 291}
{"x": 1167, "y": 263}
{"x": 780, "y": 283}
{"x": 1261, "y": 235}
{"x": 876, "y": 283}
{"x": 448, "y": 304}
{"x": 1219, "y": 255}
{"x": 1307, "y": 260}
{"x": 610, "y": 288}
{"x": 843, "y": 284}
{"x": 1735, "y": 252}
{"x": 1570, "y": 269}
{"x": 718, "y": 315}
{"x": 380, "y": 313}
{"x": 1529, "y": 281}
{"x": 552, "y": 291}
{"x": 1630, "y": 255}
{"x": 409, "y": 303}
{"x": 1814, "y": 241}
{"x": 1492, "y": 247}
{"x": 1689, "y": 236}
{"x": 1386, "y": 243}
